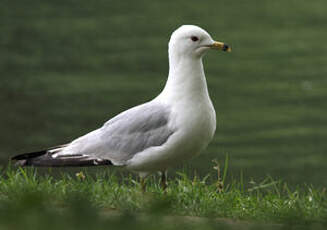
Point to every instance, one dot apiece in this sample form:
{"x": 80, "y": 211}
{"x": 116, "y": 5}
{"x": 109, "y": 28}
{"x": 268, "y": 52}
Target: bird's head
{"x": 194, "y": 42}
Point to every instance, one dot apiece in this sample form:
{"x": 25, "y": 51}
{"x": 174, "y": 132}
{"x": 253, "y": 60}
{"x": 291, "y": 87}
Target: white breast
{"x": 197, "y": 122}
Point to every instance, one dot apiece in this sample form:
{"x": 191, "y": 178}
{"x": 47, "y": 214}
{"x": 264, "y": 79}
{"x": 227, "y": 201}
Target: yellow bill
{"x": 221, "y": 46}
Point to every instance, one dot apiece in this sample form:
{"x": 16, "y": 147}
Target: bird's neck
{"x": 186, "y": 79}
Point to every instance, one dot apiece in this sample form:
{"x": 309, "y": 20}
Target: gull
{"x": 173, "y": 127}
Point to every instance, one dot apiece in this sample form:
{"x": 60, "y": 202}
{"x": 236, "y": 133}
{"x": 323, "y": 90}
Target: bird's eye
{"x": 194, "y": 38}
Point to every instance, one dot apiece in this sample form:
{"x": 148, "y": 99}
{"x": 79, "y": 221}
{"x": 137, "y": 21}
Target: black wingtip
{"x": 25, "y": 156}
{"x": 44, "y": 159}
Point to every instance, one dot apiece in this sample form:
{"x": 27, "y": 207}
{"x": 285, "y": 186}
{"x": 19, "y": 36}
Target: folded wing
{"x": 117, "y": 141}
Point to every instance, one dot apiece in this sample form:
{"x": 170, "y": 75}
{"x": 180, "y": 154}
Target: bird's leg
{"x": 163, "y": 181}
{"x": 143, "y": 184}
{"x": 143, "y": 176}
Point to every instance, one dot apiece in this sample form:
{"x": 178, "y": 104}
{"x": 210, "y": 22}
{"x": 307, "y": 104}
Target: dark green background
{"x": 68, "y": 66}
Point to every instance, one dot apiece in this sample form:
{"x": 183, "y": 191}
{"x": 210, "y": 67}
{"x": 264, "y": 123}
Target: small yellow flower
{"x": 80, "y": 175}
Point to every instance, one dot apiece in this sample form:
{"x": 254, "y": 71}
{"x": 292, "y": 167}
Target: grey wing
{"x": 125, "y": 135}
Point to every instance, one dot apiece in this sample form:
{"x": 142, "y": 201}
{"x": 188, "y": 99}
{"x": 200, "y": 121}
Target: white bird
{"x": 173, "y": 127}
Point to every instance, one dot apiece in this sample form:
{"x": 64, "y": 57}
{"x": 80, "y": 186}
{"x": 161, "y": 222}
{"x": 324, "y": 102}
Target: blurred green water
{"x": 68, "y": 66}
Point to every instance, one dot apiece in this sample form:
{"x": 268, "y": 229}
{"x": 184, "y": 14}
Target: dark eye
{"x": 194, "y": 38}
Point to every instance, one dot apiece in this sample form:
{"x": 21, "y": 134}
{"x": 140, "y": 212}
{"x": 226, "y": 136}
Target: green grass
{"x": 35, "y": 200}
